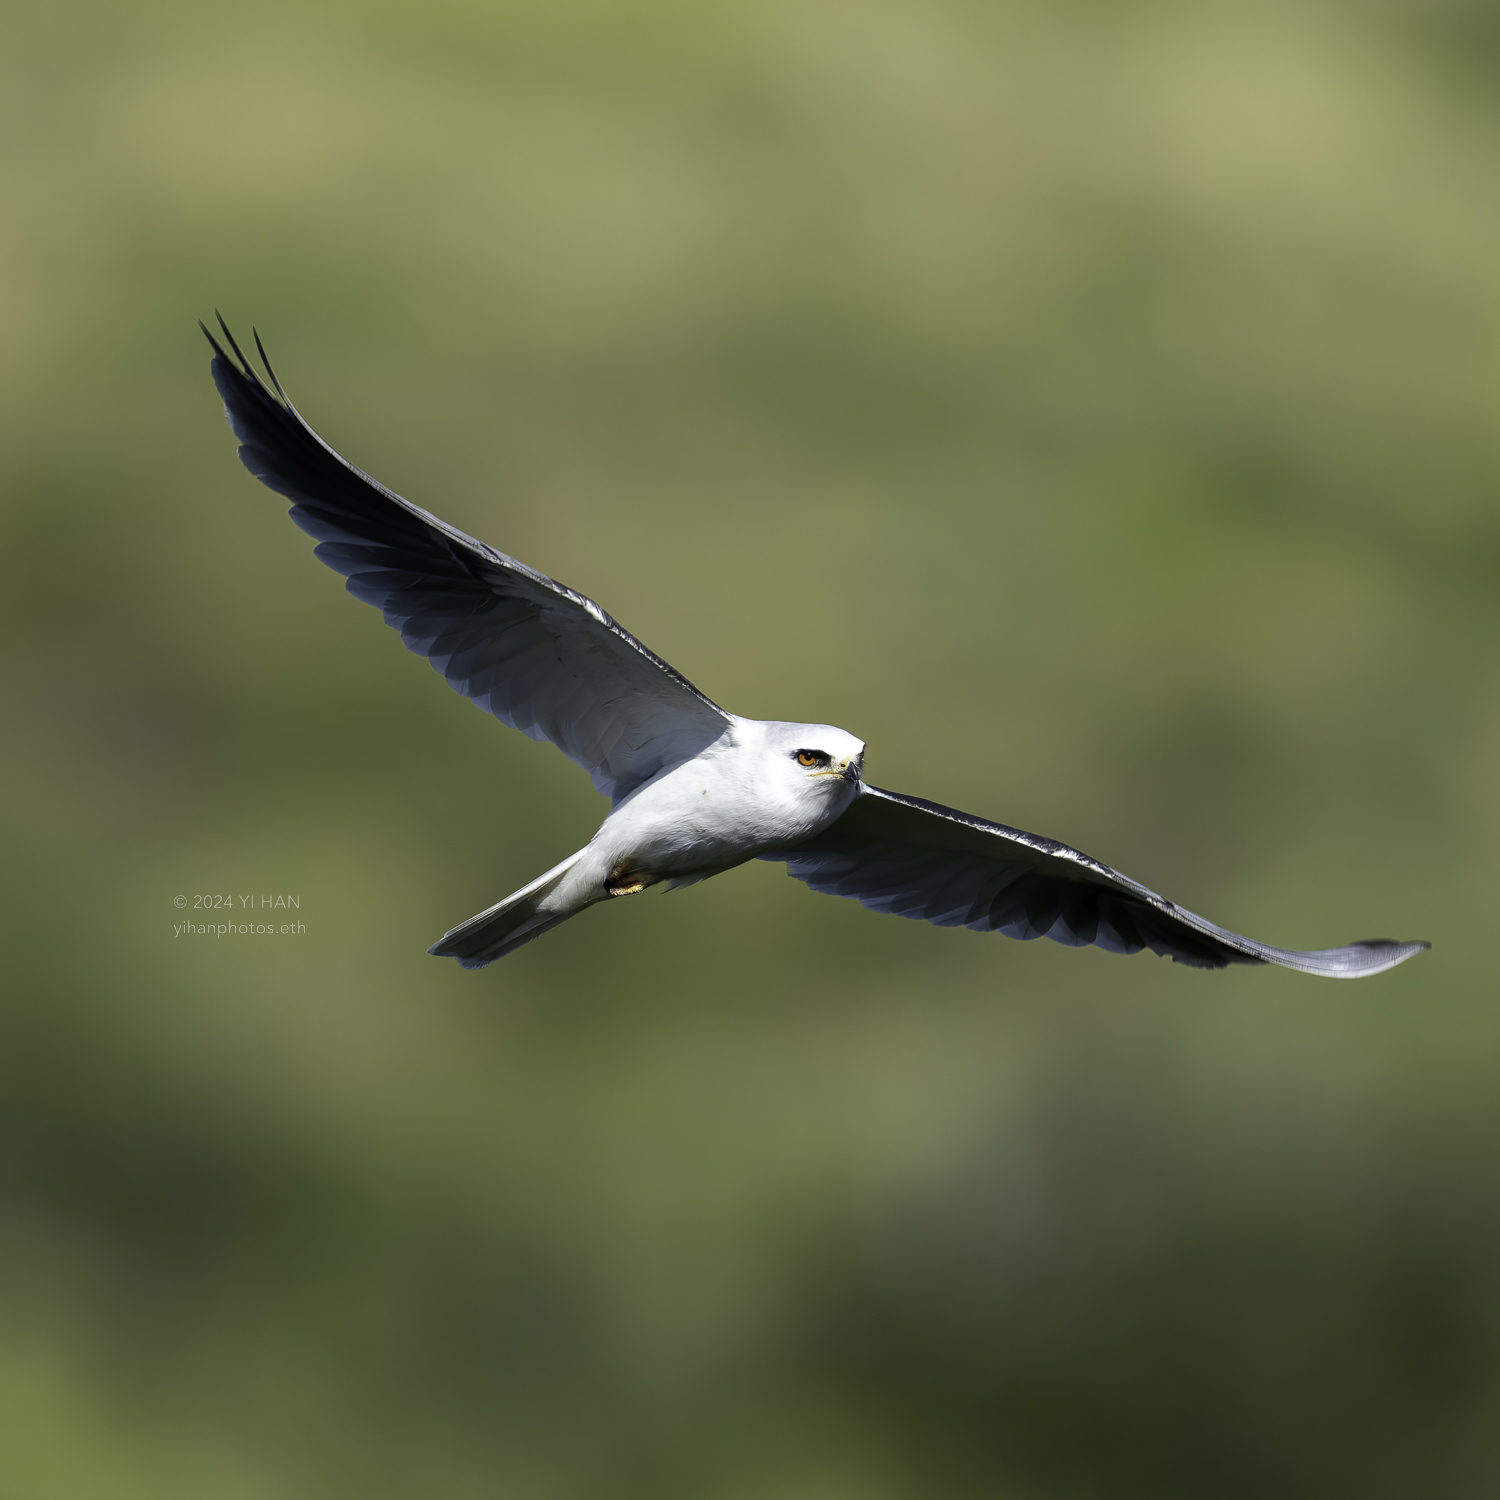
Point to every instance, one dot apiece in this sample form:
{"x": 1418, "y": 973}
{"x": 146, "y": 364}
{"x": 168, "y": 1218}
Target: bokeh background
{"x": 1092, "y": 405}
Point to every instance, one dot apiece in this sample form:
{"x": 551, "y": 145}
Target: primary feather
{"x": 538, "y": 655}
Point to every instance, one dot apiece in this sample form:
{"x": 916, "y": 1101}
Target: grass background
{"x": 1093, "y": 406}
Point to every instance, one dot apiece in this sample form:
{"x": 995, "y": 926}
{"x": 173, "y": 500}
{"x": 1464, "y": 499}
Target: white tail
{"x": 506, "y": 926}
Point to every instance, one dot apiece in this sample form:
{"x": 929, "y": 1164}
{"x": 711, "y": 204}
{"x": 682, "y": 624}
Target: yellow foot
{"x": 627, "y": 882}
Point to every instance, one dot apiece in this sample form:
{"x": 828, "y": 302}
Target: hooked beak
{"x": 849, "y": 771}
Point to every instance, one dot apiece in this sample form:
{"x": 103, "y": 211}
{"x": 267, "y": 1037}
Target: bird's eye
{"x": 811, "y": 758}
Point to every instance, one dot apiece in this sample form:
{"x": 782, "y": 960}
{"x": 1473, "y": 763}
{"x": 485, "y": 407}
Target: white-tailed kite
{"x": 695, "y": 790}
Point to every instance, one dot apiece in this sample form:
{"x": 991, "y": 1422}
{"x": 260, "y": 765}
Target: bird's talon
{"x": 628, "y": 882}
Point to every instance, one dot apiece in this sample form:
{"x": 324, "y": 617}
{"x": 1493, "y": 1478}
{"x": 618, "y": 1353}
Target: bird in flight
{"x": 696, "y": 790}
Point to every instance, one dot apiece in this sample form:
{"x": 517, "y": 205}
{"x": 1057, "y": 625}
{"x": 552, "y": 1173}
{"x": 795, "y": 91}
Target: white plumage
{"x": 743, "y": 796}
{"x": 696, "y": 790}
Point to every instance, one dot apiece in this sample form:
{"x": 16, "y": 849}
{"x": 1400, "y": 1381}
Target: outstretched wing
{"x": 918, "y": 859}
{"x": 537, "y": 655}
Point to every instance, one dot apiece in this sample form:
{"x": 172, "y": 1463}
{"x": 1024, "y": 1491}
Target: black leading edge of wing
{"x": 537, "y": 655}
{"x": 918, "y": 859}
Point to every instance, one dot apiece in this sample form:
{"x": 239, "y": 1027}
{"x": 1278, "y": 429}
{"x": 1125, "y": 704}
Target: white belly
{"x": 710, "y": 813}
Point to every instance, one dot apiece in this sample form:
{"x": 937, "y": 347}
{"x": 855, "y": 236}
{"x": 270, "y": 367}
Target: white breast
{"x": 728, "y": 804}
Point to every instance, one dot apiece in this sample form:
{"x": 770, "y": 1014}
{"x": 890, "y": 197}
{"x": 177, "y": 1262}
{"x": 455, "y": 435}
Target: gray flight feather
{"x": 538, "y": 655}
{"x": 919, "y": 859}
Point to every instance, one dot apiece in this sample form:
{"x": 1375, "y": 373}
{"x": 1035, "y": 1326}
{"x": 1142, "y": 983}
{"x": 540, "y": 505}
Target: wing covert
{"x": 539, "y": 656}
{"x": 918, "y": 859}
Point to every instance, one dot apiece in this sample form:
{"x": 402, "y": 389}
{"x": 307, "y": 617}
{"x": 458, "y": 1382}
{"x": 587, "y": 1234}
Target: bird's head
{"x": 818, "y": 757}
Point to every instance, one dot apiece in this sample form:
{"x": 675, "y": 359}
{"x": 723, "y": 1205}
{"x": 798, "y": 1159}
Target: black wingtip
{"x": 265, "y": 359}
{"x": 239, "y": 369}
{"x": 214, "y": 343}
{"x": 238, "y": 352}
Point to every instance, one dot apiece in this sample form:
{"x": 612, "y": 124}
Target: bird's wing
{"x": 918, "y": 859}
{"x": 537, "y": 655}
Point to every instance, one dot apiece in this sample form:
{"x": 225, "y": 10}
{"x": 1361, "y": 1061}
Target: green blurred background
{"x": 1093, "y": 406}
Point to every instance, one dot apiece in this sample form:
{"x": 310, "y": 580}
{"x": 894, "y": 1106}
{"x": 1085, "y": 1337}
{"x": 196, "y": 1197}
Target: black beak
{"x": 851, "y": 772}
